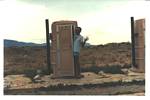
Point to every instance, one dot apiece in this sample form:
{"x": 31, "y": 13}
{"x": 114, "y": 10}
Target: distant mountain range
{"x": 12, "y": 43}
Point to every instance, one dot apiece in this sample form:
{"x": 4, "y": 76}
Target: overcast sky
{"x": 103, "y": 21}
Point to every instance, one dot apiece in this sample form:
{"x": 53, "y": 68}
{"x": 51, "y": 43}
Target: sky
{"x": 103, "y": 21}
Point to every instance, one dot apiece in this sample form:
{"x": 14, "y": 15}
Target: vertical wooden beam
{"x": 48, "y": 46}
{"x": 140, "y": 44}
{"x": 133, "y": 42}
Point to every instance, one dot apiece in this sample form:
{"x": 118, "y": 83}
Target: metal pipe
{"x": 133, "y": 42}
{"x": 48, "y": 46}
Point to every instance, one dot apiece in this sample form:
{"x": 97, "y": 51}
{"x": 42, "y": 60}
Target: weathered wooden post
{"x": 62, "y": 59}
{"x": 48, "y": 46}
{"x": 133, "y": 42}
{"x": 139, "y": 35}
{"x": 138, "y": 44}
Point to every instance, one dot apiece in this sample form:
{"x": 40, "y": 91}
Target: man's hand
{"x": 86, "y": 39}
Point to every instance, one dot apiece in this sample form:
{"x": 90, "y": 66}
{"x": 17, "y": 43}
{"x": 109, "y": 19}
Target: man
{"x": 78, "y": 42}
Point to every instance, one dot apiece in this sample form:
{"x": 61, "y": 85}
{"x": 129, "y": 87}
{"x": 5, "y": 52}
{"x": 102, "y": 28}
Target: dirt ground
{"x": 113, "y": 60}
{"x": 90, "y": 84}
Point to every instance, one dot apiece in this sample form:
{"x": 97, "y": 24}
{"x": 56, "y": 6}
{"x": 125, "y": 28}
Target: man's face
{"x": 77, "y": 31}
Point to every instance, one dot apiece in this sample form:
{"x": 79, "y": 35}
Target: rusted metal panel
{"x": 62, "y": 48}
{"x": 140, "y": 44}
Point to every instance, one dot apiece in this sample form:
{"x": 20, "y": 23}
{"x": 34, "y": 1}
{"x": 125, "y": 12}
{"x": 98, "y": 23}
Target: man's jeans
{"x": 76, "y": 64}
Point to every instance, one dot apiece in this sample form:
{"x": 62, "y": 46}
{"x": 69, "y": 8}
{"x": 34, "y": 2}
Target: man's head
{"x": 78, "y": 30}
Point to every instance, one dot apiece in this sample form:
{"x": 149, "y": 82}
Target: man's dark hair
{"x": 78, "y": 29}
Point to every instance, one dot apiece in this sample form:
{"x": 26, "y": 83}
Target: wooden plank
{"x": 62, "y": 48}
{"x": 140, "y": 44}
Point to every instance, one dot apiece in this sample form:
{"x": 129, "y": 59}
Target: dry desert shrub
{"x": 18, "y": 60}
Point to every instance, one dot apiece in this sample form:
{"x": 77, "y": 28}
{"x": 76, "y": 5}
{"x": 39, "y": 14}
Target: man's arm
{"x": 83, "y": 43}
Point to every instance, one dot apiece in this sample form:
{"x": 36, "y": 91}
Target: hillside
{"x": 18, "y": 60}
{"x": 13, "y": 43}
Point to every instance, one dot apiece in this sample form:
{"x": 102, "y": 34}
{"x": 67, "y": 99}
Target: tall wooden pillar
{"x": 138, "y": 44}
{"x": 62, "y": 59}
{"x": 139, "y": 35}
